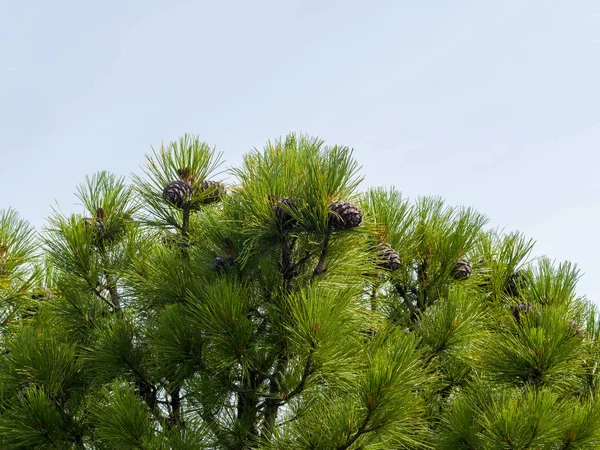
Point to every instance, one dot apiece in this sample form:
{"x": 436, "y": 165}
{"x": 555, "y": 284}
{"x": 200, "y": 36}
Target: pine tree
{"x": 286, "y": 310}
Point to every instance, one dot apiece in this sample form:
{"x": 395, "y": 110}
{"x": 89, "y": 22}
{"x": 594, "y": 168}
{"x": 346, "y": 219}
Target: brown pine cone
{"x": 462, "y": 269}
{"x": 344, "y": 215}
{"x": 178, "y": 193}
{"x": 213, "y": 191}
{"x": 389, "y": 258}
{"x": 223, "y": 264}
{"x": 521, "y": 308}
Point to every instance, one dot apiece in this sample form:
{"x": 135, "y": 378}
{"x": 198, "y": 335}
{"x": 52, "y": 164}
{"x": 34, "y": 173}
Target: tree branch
{"x": 422, "y": 281}
{"x": 175, "y": 417}
{"x": 114, "y": 294}
{"x": 321, "y": 264}
{"x": 361, "y": 430}
{"x": 302, "y": 260}
{"x": 402, "y": 291}
{"x": 308, "y": 371}
{"x": 374, "y": 295}
{"x": 287, "y": 264}
{"x": 105, "y": 300}
{"x": 272, "y": 403}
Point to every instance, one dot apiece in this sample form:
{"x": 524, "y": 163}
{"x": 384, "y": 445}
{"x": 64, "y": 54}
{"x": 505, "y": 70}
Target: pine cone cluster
{"x": 462, "y": 269}
{"x": 521, "y": 308}
{"x": 282, "y": 209}
{"x": 223, "y": 264}
{"x": 178, "y": 193}
{"x": 389, "y": 258}
{"x": 344, "y": 215}
{"x": 212, "y": 191}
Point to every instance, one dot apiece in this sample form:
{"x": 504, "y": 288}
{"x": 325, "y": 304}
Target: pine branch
{"x": 276, "y": 380}
{"x": 185, "y": 240}
{"x": 175, "y": 417}
{"x": 422, "y": 281}
{"x": 591, "y": 384}
{"x": 321, "y": 264}
{"x": 308, "y": 371}
{"x": 402, "y": 291}
{"x": 263, "y": 283}
{"x": 115, "y": 298}
{"x": 265, "y": 375}
{"x": 273, "y": 404}
{"x": 374, "y": 295}
{"x": 147, "y": 392}
{"x": 247, "y": 403}
{"x": 302, "y": 261}
{"x": 210, "y": 420}
{"x": 361, "y": 430}
{"x": 114, "y": 294}
{"x": 104, "y": 299}
{"x": 287, "y": 262}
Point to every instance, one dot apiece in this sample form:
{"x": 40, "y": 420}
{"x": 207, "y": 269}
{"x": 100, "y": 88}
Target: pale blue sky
{"x": 490, "y": 104}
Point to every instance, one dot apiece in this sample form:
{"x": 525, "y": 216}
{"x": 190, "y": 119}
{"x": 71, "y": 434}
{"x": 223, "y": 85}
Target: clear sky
{"x": 490, "y": 104}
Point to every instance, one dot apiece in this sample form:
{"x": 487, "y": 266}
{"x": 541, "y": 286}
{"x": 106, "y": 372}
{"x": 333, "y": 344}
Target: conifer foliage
{"x": 285, "y": 309}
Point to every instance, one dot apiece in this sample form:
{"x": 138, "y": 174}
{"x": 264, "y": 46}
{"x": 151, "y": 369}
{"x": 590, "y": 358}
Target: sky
{"x": 493, "y": 105}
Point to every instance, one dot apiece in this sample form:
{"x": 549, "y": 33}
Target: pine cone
{"x": 43, "y": 293}
{"x": 284, "y": 219}
{"x": 389, "y": 258}
{"x": 3, "y": 256}
{"x": 171, "y": 240}
{"x": 185, "y": 174}
{"x": 178, "y": 193}
{"x": 515, "y": 282}
{"x": 344, "y": 215}
{"x": 521, "y": 308}
{"x": 577, "y": 329}
{"x": 96, "y": 224}
{"x": 223, "y": 264}
{"x": 213, "y": 191}
{"x": 100, "y": 219}
{"x": 462, "y": 269}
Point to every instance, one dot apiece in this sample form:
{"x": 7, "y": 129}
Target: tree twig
{"x": 308, "y": 371}
{"x": 361, "y": 430}
{"x": 321, "y": 264}
{"x": 104, "y": 299}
